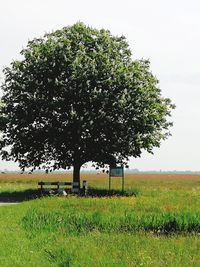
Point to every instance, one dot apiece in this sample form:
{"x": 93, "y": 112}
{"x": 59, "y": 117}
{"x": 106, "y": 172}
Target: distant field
{"x": 158, "y": 225}
{"x": 91, "y": 176}
{"x": 147, "y": 184}
{"x": 101, "y": 180}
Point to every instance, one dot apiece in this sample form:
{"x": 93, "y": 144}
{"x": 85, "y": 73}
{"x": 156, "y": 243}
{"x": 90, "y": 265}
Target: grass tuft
{"x": 72, "y": 221}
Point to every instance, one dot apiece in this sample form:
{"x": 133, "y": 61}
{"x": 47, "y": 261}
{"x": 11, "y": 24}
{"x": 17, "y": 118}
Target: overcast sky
{"x": 165, "y": 32}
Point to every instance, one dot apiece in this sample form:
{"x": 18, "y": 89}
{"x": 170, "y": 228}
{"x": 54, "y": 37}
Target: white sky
{"x": 165, "y": 32}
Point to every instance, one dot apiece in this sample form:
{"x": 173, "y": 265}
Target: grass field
{"x": 156, "y": 223}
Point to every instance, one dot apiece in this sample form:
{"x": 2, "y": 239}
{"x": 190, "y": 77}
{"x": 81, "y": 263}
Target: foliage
{"x": 77, "y": 96}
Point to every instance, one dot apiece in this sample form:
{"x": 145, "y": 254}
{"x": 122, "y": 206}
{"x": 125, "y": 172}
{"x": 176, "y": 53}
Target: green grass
{"x": 156, "y": 223}
{"x": 108, "y": 215}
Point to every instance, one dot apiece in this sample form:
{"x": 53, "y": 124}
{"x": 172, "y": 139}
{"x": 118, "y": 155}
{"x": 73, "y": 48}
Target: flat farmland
{"x": 182, "y": 181}
{"x": 155, "y": 223}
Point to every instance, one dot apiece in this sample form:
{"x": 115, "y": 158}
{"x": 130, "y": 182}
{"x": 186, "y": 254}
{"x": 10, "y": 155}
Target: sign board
{"x": 116, "y": 171}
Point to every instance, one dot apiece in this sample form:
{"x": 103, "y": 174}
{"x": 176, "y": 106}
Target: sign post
{"x": 116, "y": 172}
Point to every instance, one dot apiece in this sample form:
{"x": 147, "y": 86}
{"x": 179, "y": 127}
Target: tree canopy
{"x": 78, "y": 96}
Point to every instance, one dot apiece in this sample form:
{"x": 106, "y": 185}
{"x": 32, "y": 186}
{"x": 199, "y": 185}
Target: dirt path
{"x": 8, "y": 203}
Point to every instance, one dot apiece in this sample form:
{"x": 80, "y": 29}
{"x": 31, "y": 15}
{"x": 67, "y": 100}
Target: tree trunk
{"x": 76, "y": 174}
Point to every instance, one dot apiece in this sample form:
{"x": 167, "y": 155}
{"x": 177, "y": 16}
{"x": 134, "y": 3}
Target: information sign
{"x": 116, "y": 172}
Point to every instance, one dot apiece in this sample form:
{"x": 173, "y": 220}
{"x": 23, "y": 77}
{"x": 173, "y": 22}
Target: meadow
{"x": 155, "y": 223}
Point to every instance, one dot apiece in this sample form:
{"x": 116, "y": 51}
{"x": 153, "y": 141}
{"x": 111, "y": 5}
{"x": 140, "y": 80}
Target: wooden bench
{"x": 65, "y": 186}
{"x": 74, "y": 186}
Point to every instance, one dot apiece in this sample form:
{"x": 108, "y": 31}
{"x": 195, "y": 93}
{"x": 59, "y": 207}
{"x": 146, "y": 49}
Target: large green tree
{"x": 78, "y": 96}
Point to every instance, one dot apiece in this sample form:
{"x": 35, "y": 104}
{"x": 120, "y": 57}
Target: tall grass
{"x": 80, "y": 219}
